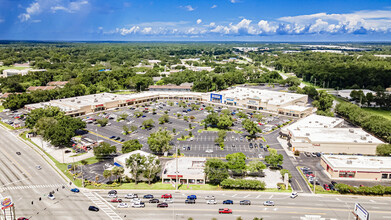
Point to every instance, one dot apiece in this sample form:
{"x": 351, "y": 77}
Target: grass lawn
{"x": 1, "y": 108}
{"x": 157, "y": 186}
{"x": 380, "y": 112}
{"x": 7, "y": 125}
{"x": 13, "y": 67}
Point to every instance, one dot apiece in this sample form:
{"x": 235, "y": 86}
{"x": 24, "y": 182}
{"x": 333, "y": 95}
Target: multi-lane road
{"x": 20, "y": 179}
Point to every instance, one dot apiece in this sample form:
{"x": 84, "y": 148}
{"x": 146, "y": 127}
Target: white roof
{"x": 346, "y": 92}
{"x": 186, "y": 166}
{"x": 335, "y": 135}
{"x": 296, "y": 108}
{"x": 353, "y": 163}
{"x": 316, "y": 121}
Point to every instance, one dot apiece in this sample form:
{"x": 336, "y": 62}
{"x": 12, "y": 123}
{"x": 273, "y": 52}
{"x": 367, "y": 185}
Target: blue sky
{"x": 196, "y": 20}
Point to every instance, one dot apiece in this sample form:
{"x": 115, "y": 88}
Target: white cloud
{"x": 2, "y": 20}
{"x": 199, "y": 21}
{"x": 146, "y": 30}
{"x": 40, "y": 6}
{"x": 234, "y": 1}
{"x": 100, "y": 28}
{"x": 188, "y": 8}
{"x": 214, "y": 6}
{"x": 132, "y": 30}
{"x": 212, "y": 24}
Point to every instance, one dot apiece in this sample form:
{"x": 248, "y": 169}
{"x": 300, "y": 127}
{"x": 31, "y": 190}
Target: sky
{"x": 196, "y": 20}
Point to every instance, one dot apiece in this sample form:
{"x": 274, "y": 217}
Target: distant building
{"x": 170, "y": 87}
{"x": 59, "y": 84}
{"x": 349, "y": 167}
{"x": 13, "y": 72}
{"x": 154, "y": 62}
{"x": 35, "y": 88}
{"x": 156, "y": 79}
{"x": 345, "y": 93}
{"x": 190, "y": 170}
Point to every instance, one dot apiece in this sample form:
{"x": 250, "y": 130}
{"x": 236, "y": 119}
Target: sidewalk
{"x": 284, "y": 144}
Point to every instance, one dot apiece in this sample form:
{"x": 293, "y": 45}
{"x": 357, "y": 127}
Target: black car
{"x": 154, "y": 201}
{"x": 334, "y": 183}
{"x": 245, "y": 202}
{"x": 265, "y": 149}
{"x": 122, "y": 140}
{"x": 148, "y": 196}
{"x": 18, "y": 153}
{"x": 255, "y": 145}
{"x": 190, "y": 201}
{"x": 331, "y": 186}
{"x": 93, "y": 208}
{"x": 117, "y": 138}
{"x": 162, "y": 205}
{"x": 113, "y": 191}
{"x": 251, "y": 145}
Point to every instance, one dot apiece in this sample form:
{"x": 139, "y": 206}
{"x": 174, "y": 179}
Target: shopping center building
{"x": 348, "y": 167}
{"x": 190, "y": 170}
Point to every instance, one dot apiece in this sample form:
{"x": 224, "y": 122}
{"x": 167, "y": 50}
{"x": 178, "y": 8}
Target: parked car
{"x": 209, "y": 151}
{"x": 93, "y": 208}
{"x": 250, "y": 145}
{"x": 228, "y": 202}
{"x": 209, "y": 197}
{"x": 123, "y": 205}
{"x": 294, "y": 195}
{"x": 154, "y": 201}
{"x": 113, "y": 137}
{"x": 38, "y": 167}
{"x": 131, "y": 196}
{"x": 162, "y": 205}
{"x": 268, "y": 203}
{"x": 245, "y": 202}
{"x": 193, "y": 197}
{"x": 148, "y": 196}
{"x": 225, "y": 211}
{"x": 51, "y": 196}
{"x": 211, "y": 202}
{"x": 190, "y": 201}
{"x": 313, "y": 154}
{"x": 326, "y": 187}
{"x": 117, "y": 138}
{"x": 166, "y": 196}
{"x": 75, "y": 190}
{"x": 331, "y": 186}
{"x": 255, "y": 145}
{"x": 23, "y": 218}
{"x": 116, "y": 200}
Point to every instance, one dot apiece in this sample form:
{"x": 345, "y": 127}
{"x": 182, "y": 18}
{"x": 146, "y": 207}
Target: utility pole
{"x": 176, "y": 172}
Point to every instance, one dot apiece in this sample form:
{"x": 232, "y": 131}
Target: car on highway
{"x": 116, "y": 200}
{"x": 192, "y": 197}
{"x": 166, "y": 196}
{"x": 245, "y": 202}
{"x": 123, "y": 205}
{"x": 268, "y": 203}
{"x": 112, "y": 191}
{"x": 112, "y": 195}
{"x": 75, "y": 190}
{"x": 23, "y": 218}
{"x": 190, "y": 201}
{"x": 93, "y": 208}
{"x": 131, "y": 196}
{"x": 18, "y": 153}
{"x": 168, "y": 200}
{"x": 211, "y": 202}
{"x": 162, "y": 205}
{"x": 209, "y": 197}
{"x": 148, "y": 196}
{"x": 154, "y": 201}
{"x": 135, "y": 200}
{"x": 225, "y": 211}
{"x": 138, "y": 205}
{"x": 294, "y": 195}
{"x": 51, "y": 196}
{"x": 228, "y": 202}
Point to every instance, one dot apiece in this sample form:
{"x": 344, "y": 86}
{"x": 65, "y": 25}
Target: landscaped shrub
{"x": 242, "y": 184}
{"x": 378, "y": 190}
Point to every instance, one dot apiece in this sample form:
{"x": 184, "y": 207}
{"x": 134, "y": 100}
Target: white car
{"x": 112, "y": 195}
{"x": 294, "y": 195}
{"x": 38, "y": 167}
{"x": 131, "y": 196}
{"x": 209, "y": 151}
{"x": 51, "y": 196}
{"x": 123, "y": 205}
{"x": 211, "y": 202}
{"x": 268, "y": 203}
{"x": 135, "y": 200}
{"x": 209, "y": 198}
{"x": 168, "y": 200}
{"x": 260, "y": 156}
{"x": 138, "y": 205}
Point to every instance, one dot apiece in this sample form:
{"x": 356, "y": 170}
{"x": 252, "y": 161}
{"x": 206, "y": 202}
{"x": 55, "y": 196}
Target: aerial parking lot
{"x": 183, "y": 121}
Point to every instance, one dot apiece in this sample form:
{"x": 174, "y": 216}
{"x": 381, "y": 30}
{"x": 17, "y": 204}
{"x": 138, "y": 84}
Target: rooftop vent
{"x": 351, "y": 130}
{"x": 369, "y": 141}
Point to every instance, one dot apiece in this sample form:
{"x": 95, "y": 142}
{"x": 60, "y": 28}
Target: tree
{"x": 224, "y": 121}
{"x": 236, "y": 162}
{"x": 148, "y": 123}
{"x": 383, "y": 149}
{"x": 310, "y": 91}
{"x": 152, "y": 168}
{"x": 186, "y": 118}
{"x": 283, "y": 171}
{"x": 104, "y": 150}
{"x": 251, "y": 127}
{"x": 209, "y": 109}
{"x": 107, "y": 174}
{"x": 216, "y": 170}
{"x": 125, "y": 129}
{"x": 164, "y": 119}
{"x": 159, "y": 141}
{"x": 324, "y": 101}
{"x": 118, "y": 171}
{"x": 138, "y": 114}
{"x": 103, "y": 122}
{"x": 136, "y": 164}
{"x": 255, "y": 166}
{"x": 131, "y": 145}
{"x": 123, "y": 116}
{"x": 133, "y": 128}
{"x": 241, "y": 115}
{"x": 274, "y": 158}
{"x": 212, "y": 119}
{"x": 258, "y": 117}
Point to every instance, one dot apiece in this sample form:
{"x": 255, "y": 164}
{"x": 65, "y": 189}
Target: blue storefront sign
{"x": 230, "y": 100}
{"x": 214, "y": 97}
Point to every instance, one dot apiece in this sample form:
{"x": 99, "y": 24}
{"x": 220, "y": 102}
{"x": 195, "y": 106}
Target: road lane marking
{"x": 338, "y": 199}
{"x": 258, "y": 196}
{"x": 271, "y": 197}
{"x": 234, "y": 195}
{"x": 247, "y": 196}
{"x": 372, "y": 201}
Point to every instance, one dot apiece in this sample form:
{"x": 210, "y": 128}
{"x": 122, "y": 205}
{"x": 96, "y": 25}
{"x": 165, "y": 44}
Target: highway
{"x": 20, "y": 179}
{"x": 326, "y": 206}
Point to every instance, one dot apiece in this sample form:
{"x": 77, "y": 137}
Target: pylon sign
{"x": 6, "y": 202}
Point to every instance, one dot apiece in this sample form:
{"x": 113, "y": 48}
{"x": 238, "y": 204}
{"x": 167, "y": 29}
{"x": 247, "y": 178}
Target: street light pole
{"x": 176, "y": 181}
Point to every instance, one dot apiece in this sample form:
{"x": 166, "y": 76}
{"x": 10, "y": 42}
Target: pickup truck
{"x": 225, "y": 211}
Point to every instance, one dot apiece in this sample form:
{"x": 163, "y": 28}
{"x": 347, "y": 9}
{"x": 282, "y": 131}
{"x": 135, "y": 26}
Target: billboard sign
{"x": 360, "y": 212}
{"x": 6, "y": 202}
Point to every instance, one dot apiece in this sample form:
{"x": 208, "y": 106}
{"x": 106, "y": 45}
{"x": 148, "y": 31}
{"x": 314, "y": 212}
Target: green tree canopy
{"x": 216, "y": 170}
{"x": 159, "y": 141}
{"x": 131, "y": 145}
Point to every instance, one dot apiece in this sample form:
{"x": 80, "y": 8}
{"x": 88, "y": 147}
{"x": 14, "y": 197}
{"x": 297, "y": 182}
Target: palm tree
{"x": 107, "y": 174}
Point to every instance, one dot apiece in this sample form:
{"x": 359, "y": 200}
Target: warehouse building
{"x": 190, "y": 170}
{"x": 348, "y": 167}
{"x": 317, "y": 133}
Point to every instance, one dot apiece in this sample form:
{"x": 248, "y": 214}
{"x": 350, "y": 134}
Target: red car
{"x": 225, "y": 211}
{"x": 116, "y": 200}
{"x": 326, "y": 187}
{"x": 167, "y": 196}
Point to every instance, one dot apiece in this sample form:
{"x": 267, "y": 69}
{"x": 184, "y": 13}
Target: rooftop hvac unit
{"x": 367, "y": 135}
{"x": 316, "y": 121}
{"x": 349, "y": 162}
{"x": 369, "y": 141}
{"x": 355, "y": 141}
{"x": 112, "y": 98}
{"x": 307, "y": 134}
{"x": 78, "y": 101}
{"x": 72, "y": 100}
{"x": 95, "y": 100}
{"x": 351, "y": 130}
{"x": 363, "y": 138}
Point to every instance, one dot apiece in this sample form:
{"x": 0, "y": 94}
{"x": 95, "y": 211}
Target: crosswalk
{"x": 102, "y": 205}
{"x": 9, "y": 188}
